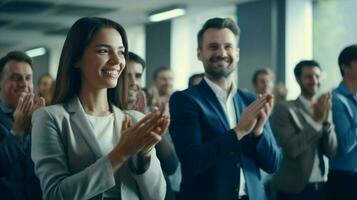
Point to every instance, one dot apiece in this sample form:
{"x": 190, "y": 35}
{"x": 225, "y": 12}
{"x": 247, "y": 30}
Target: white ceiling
{"x": 127, "y": 12}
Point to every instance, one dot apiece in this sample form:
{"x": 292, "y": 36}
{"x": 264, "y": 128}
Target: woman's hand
{"x": 139, "y": 137}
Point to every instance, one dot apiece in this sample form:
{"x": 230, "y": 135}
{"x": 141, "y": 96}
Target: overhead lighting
{"x": 36, "y": 52}
{"x": 167, "y": 14}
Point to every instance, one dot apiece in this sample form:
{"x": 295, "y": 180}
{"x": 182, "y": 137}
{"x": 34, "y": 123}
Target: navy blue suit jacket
{"x": 210, "y": 153}
{"x": 17, "y": 176}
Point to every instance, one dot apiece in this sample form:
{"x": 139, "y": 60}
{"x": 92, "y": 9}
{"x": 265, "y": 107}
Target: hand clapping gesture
{"x": 254, "y": 116}
{"x": 139, "y": 138}
{"x": 321, "y": 108}
{"x": 23, "y": 112}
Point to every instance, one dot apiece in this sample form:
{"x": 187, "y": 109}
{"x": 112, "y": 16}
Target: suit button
{"x": 231, "y": 153}
{"x": 236, "y": 190}
{"x": 238, "y": 165}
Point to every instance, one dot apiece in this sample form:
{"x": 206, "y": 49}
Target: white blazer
{"x": 69, "y": 162}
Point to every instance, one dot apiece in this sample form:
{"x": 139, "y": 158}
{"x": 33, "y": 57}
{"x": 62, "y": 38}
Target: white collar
{"x": 305, "y": 102}
{"x": 219, "y": 92}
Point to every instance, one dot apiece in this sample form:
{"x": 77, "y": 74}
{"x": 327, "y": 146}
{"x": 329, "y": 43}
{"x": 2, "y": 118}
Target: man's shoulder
{"x": 189, "y": 92}
{"x": 246, "y": 95}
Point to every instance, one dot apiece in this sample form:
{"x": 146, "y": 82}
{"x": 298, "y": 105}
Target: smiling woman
{"x": 85, "y": 146}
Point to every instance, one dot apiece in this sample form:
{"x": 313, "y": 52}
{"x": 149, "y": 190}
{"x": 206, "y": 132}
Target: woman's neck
{"x": 95, "y": 102}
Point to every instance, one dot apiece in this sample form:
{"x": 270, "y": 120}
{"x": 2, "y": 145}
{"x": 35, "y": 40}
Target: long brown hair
{"x": 68, "y": 82}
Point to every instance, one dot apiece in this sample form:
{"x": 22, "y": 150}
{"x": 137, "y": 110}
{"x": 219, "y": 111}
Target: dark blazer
{"x": 299, "y": 142}
{"x": 210, "y": 153}
{"x": 17, "y": 177}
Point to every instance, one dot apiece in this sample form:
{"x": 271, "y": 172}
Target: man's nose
{"x": 222, "y": 52}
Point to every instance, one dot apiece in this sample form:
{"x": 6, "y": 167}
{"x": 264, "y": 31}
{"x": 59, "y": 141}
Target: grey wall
{"x": 158, "y": 45}
{"x": 262, "y": 41}
{"x": 40, "y": 66}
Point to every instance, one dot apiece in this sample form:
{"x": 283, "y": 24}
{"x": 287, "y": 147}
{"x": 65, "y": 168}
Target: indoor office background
{"x": 274, "y": 33}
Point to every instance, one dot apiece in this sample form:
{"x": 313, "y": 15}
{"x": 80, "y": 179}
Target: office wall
{"x": 262, "y": 39}
{"x": 334, "y": 29}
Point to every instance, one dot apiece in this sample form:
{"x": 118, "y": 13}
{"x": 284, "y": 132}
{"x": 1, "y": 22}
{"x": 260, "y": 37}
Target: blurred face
{"x": 135, "y": 72}
{"x": 16, "y": 82}
{"x": 309, "y": 81}
{"x": 196, "y": 80}
{"x": 219, "y": 53}
{"x": 264, "y": 84}
{"x": 350, "y": 71}
{"x": 103, "y": 60}
{"x": 45, "y": 85}
{"x": 164, "y": 82}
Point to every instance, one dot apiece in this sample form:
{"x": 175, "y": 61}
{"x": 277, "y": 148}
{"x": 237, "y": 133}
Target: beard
{"x": 219, "y": 72}
{"x": 309, "y": 90}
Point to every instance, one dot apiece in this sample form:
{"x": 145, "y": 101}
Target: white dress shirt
{"x": 227, "y": 103}
{"x": 103, "y": 129}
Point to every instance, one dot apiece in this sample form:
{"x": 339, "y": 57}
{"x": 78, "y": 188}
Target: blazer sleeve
{"x": 268, "y": 154}
{"x": 196, "y": 157}
{"x": 49, "y": 156}
{"x": 12, "y": 151}
{"x": 151, "y": 183}
{"x": 293, "y": 139}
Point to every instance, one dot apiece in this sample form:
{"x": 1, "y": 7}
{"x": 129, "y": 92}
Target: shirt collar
{"x": 219, "y": 92}
{"x": 306, "y": 103}
{"x": 344, "y": 90}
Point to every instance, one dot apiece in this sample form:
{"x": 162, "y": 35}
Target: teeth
{"x": 111, "y": 73}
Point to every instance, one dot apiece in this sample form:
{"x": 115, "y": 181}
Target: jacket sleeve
{"x": 51, "y": 167}
{"x": 293, "y": 139}
{"x": 151, "y": 182}
{"x": 196, "y": 157}
{"x": 269, "y": 156}
{"x": 12, "y": 151}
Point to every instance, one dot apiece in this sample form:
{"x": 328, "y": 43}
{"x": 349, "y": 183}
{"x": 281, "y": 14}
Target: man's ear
{"x": 199, "y": 54}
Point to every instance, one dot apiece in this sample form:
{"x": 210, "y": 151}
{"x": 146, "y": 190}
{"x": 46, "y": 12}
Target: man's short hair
{"x": 303, "y": 64}
{"x": 346, "y": 56}
{"x": 217, "y": 23}
{"x": 265, "y": 71}
{"x": 159, "y": 70}
{"x": 136, "y": 58}
{"x": 18, "y": 56}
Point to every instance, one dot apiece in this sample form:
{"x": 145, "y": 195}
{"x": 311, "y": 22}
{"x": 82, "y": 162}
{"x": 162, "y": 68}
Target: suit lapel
{"x": 213, "y": 102}
{"x": 297, "y": 112}
{"x": 301, "y": 106}
{"x": 80, "y": 125}
{"x": 238, "y": 105}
